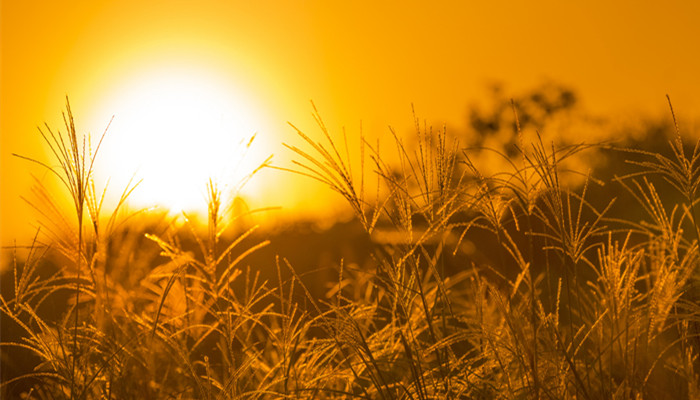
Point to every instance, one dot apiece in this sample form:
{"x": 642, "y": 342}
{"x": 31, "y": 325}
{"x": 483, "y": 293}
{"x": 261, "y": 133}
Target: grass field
{"x": 536, "y": 281}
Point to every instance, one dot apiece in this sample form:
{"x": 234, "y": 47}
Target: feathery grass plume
{"x": 216, "y": 313}
{"x": 76, "y": 162}
{"x": 679, "y": 171}
{"x": 335, "y": 171}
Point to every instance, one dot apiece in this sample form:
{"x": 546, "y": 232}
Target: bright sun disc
{"x": 174, "y": 129}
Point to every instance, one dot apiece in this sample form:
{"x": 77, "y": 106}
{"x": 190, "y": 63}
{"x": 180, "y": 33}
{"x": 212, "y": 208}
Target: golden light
{"x": 174, "y": 128}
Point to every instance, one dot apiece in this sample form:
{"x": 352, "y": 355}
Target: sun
{"x": 174, "y": 129}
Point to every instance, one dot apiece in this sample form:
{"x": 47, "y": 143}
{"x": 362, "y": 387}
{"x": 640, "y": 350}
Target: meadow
{"x": 469, "y": 271}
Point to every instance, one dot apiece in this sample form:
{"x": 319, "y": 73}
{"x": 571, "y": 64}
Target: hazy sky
{"x": 358, "y": 61}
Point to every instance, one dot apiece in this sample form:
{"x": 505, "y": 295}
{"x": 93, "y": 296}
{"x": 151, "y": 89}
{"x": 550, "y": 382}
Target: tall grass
{"x": 509, "y": 285}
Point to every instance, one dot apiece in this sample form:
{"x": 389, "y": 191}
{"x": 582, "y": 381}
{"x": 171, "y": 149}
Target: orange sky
{"x": 358, "y": 61}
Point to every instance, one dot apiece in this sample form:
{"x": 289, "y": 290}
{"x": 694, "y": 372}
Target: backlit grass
{"x": 531, "y": 282}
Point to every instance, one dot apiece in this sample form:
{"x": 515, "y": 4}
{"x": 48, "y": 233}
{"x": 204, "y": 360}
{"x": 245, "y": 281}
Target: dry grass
{"x": 569, "y": 300}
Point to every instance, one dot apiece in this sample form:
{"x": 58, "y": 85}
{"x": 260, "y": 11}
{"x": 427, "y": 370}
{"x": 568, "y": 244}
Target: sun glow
{"x": 174, "y": 129}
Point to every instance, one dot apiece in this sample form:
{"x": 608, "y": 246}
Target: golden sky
{"x": 358, "y": 61}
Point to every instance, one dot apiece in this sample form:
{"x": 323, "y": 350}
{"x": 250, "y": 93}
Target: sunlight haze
{"x": 175, "y": 128}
